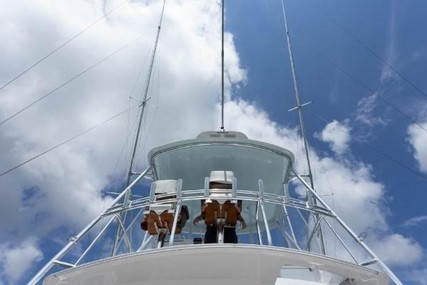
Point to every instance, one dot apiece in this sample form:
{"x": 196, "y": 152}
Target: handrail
{"x": 74, "y": 241}
{"x": 265, "y": 207}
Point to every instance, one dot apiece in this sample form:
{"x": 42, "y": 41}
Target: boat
{"x": 281, "y": 240}
{"x": 219, "y": 208}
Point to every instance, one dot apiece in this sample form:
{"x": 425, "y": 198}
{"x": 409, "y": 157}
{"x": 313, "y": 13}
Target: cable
{"x": 379, "y": 96}
{"x": 384, "y": 154}
{"x": 376, "y": 55}
{"x": 364, "y": 86}
{"x": 61, "y": 46}
{"x": 391, "y": 105}
{"x": 297, "y": 96}
{"x": 69, "y": 80}
{"x": 66, "y": 141}
{"x": 146, "y": 90}
{"x": 301, "y": 120}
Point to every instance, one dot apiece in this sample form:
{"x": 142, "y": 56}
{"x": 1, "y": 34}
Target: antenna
{"x": 297, "y": 97}
{"x": 301, "y": 117}
{"x": 222, "y": 65}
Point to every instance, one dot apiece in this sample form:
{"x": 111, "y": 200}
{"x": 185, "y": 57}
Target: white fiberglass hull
{"x": 218, "y": 264}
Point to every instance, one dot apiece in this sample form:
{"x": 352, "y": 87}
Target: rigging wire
{"x": 301, "y": 121}
{"x": 388, "y": 103}
{"x": 123, "y": 153}
{"x": 143, "y": 105}
{"x": 61, "y": 46}
{"x": 352, "y": 77}
{"x": 145, "y": 95}
{"x": 297, "y": 97}
{"x": 370, "y": 50}
{"x": 379, "y": 96}
{"x": 70, "y": 80}
{"x": 382, "y": 153}
{"x": 155, "y": 107}
{"x": 387, "y": 156}
{"x": 131, "y": 123}
{"x": 66, "y": 141}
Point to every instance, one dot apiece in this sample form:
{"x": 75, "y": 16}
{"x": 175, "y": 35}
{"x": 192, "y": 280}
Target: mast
{"x": 301, "y": 118}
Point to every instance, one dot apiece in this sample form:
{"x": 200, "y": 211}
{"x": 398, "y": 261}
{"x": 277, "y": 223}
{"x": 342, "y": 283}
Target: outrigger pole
{"x": 135, "y": 145}
{"x": 300, "y": 115}
{"x": 145, "y": 99}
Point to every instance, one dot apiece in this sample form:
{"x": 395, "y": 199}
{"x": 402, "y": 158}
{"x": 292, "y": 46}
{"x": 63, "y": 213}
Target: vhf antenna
{"x": 222, "y": 66}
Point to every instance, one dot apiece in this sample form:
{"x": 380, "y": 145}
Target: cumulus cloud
{"x": 337, "y": 135}
{"x": 410, "y": 252}
{"x": 347, "y": 185}
{"x": 355, "y": 193}
{"x": 17, "y": 259}
{"x": 64, "y": 189}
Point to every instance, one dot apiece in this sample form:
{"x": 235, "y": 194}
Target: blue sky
{"x": 332, "y": 40}
{"x": 364, "y": 150}
{"x": 386, "y": 27}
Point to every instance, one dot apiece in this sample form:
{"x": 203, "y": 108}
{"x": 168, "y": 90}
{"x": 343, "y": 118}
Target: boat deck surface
{"x": 217, "y": 264}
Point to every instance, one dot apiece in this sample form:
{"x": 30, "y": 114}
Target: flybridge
{"x": 193, "y": 160}
{"x": 221, "y": 206}
{"x": 251, "y": 162}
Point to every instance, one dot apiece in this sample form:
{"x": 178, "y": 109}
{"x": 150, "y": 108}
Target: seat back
{"x": 221, "y": 180}
{"x": 164, "y": 189}
{"x": 159, "y": 216}
{"x": 220, "y": 186}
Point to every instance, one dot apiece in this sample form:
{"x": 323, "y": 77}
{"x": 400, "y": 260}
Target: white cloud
{"x": 337, "y": 135}
{"x": 387, "y": 73}
{"x": 409, "y": 251}
{"x": 365, "y": 113}
{"x": 357, "y": 197}
{"x": 418, "y": 140}
{"x": 415, "y": 221}
{"x": 16, "y": 260}
{"x": 63, "y": 188}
